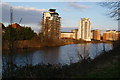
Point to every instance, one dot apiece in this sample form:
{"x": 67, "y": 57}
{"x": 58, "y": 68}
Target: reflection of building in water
{"x": 48, "y": 55}
{"x": 84, "y": 30}
{"x": 84, "y": 50}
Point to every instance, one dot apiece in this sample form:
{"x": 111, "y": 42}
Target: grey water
{"x": 62, "y": 55}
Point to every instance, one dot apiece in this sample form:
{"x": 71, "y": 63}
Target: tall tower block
{"x": 51, "y": 24}
{"x": 84, "y": 29}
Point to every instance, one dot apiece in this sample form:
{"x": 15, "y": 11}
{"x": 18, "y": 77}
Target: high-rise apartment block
{"x": 51, "y": 24}
{"x": 84, "y": 30}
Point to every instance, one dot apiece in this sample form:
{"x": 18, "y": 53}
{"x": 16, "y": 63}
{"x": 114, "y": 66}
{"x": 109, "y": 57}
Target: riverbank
{"x": 104, "y": 66}
{"x": 26, "y": 44}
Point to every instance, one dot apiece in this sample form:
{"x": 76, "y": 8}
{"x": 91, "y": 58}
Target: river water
{"x": 55, "y": 55}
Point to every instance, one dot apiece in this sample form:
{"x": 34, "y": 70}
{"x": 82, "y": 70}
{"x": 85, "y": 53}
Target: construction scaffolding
{"x": 51, "y": 27}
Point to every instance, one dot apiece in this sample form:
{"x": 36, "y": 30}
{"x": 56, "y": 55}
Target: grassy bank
{"x": 36, "y": 43}
{"x": 106, "y": 65}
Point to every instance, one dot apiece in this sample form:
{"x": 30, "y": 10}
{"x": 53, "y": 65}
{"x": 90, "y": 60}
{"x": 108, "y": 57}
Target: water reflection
{"x": 92, "y": 50}
{"x": 46, "y": 55}
{"x": 55, "y": 55}
{"x": 83, "y": 50}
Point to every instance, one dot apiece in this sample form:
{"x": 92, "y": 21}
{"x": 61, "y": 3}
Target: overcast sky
{"x": 71, "y": 13}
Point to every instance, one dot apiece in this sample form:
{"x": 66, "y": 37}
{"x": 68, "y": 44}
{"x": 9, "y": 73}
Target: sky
{"x": 70, "y": 13}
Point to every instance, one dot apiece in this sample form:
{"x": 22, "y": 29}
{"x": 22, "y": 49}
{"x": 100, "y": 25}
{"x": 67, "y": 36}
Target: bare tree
{"x": 114, "y": 8}
{"x": 114, "y": 11}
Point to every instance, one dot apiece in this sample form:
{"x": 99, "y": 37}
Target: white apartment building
{"x": 84, "y": 30}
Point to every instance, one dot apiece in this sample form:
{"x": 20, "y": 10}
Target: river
{"x": 61, "y": 55}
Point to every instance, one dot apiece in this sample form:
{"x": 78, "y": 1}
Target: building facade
{"x": 111, "y": 35}
{"x": 84, "y": 30}
{"x": 51, "y": 25}
{"x": 15, "y": 25}
{"x": 67, "y": 35}
{"x": 75, "y": 33}
{"x": 96, "y": 35}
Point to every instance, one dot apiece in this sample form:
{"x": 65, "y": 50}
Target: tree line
{"x": 22, "y": 33}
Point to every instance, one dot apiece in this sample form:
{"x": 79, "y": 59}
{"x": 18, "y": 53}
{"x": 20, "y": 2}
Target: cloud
{"x": 29, "y": 15}
{"x": 78, "y": 6}
{"x": 60, "y": 8}
{"x": 64, "y": 9}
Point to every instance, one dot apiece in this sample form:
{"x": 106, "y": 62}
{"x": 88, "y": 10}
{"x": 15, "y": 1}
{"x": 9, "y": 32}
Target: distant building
{"x": 105, "y": 36}
{"x": 111, "y": 35}
{"x": 84, "y": 30}
{"x": 117, "y": 35}
{"x": 92, "y": 34}
{"x": 75, "y": 33}
{"x": 67, "y": 35}
{"x": 16, "y": 25}
{"x": 51, "y": 24}
{"x": 96, "y": 34}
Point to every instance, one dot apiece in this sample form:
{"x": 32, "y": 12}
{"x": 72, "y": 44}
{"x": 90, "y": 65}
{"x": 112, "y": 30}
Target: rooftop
{"x": 52, "y": 10}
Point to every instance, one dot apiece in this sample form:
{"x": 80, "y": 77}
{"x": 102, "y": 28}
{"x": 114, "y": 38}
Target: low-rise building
{"x": 75, "y": 33}
{"x": 15, "y": 25}
{"x": 105, "y": 36}
{"x": 67, "y": 35}
{"x": 117, "y": 36}
{"x": 96, "y": 34}
{"x": 111, "y": 35}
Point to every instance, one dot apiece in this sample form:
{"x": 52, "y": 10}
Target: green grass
{"x": 109, "y": 72}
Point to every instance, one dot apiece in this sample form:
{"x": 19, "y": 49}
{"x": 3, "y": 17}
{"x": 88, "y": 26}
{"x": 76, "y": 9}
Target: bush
{"x": 22, "y": 33}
